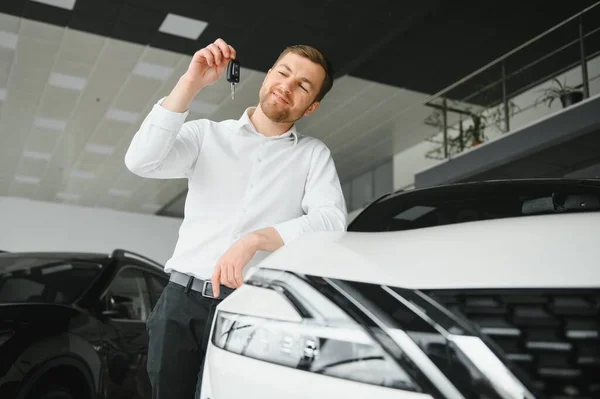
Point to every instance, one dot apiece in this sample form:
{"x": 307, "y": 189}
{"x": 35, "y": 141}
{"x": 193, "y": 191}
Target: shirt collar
{"x": 245, "y": 121}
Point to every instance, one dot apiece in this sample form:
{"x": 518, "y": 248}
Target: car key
{"x": 233, "y": 75}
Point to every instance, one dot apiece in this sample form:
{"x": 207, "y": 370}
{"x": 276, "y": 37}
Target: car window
{"x": 157, "y": 285}
{"x": 41, "y": 280}
{"x": 128, "y": 296}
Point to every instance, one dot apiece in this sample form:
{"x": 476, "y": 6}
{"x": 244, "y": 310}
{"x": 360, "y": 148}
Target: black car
{"x": 73, "y": 325}
{"x": 550, "y": 336}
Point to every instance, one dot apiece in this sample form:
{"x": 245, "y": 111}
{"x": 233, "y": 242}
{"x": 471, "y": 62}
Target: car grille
{"x": 553, "y": 336}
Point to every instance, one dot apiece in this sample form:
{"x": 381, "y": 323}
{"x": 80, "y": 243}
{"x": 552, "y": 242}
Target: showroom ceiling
{"x": 78, "y": 76}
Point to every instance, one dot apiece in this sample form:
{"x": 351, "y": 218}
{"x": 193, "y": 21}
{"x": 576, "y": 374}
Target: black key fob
{"x": 233, "y": 71}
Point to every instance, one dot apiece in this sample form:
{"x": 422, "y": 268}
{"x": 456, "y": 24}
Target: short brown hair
{"x": 318, "y": 58}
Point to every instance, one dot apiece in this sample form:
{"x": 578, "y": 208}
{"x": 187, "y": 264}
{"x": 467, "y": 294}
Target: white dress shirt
{"x": 239, "y": 181}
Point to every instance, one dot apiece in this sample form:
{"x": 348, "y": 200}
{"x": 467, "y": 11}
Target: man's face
{"x": 290, "y": 88}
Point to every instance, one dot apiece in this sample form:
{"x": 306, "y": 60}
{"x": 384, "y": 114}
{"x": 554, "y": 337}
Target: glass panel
{"x": 128, "y": 295}
{"x": 41, "y": 280}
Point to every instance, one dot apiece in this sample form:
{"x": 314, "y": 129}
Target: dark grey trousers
{"x": 179, "y": 327}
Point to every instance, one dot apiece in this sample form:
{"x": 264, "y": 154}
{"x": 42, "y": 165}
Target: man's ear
{"x": 312, "y": 108}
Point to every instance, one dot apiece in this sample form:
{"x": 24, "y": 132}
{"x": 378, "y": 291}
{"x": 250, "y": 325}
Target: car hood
{"x": 528, "y": 252}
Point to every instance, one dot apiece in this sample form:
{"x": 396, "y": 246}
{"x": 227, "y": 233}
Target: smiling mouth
{"x": 280, "y": 98}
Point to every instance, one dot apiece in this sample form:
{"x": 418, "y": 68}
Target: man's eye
{"x": 304, "y": 88}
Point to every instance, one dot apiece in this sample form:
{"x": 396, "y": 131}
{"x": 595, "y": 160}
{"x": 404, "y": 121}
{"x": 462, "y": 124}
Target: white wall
{"x": 27, "y": 225}
{"x": 413, "y": 160}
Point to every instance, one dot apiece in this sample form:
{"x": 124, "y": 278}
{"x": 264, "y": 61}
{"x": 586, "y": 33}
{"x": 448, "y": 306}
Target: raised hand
{"x": 206, "y": 67}
{"x": 208, "y": 64}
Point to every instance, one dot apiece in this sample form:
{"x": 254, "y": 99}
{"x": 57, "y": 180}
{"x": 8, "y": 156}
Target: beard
{"x": 276, "y": 111}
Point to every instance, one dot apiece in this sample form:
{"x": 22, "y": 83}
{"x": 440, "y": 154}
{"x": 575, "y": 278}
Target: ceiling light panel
{"x": 37, "y": 155}
{"x": 182, "y": 26}
{"x": 79, "y": 174}
{"x": 64, "y": 4}
{"x": 99, "y": 149}
{"x": 68, "y": 196}
{"x": 50, "y": 124}
{"x": 27, "y": 179}
{"x": 2, "y": 94}
{"x": 152, "y": 71}
{"x": 67, "y": 81}
{"x": 120, "y": 115}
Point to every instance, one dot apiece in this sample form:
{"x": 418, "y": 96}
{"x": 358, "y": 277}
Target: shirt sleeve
{"x": 323, "y": 202}
{"x": 164, "y": 147}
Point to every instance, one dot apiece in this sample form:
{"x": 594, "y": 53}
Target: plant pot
{"x": 571, "y": 98}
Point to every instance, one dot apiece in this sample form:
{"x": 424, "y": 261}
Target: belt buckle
{"x": 204, "y": 286}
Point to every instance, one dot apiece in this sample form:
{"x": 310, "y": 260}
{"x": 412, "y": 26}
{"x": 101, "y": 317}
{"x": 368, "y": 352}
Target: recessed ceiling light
{"x": 43, "y": 156}
{"x": 82, "y": 175}
{"x": 152, "y": 71}
{"x": 51, "y": 124}
{"x": 67, "y": 81}
{"x": 119, "y": 193}
{"x": 27, "y": 179}
{"x": 183, "y": 26}
{"x": 68, "y": 196}
{"x": 8, "y": 40}
{"x": 201, "y": 107}
{"x": 120, "y": 115}
{"x": 66, "y": 4}
{"x": 99, "y": 149}
{"x": 2, "y": 94}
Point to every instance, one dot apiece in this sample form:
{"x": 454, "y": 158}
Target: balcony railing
{"x": 552, "y": 71}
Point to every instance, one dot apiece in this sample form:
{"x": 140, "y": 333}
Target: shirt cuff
{"x": 289, "y": 230}
{"x": 166, "y": 119}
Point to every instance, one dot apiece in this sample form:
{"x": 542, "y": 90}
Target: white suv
{"x": 480, "y": 290}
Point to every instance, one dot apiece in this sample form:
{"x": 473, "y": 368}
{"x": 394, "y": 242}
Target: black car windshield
{"x": 38, "y": 279}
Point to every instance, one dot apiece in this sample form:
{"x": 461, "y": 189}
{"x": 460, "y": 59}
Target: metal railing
{"x": 532, "y": 74}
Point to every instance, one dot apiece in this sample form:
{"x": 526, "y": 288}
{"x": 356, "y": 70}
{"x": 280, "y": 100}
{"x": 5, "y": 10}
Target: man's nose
{"x": 286, "y": 85}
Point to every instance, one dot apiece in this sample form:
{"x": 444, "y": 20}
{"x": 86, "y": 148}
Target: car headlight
{"x": 344, "y": 351}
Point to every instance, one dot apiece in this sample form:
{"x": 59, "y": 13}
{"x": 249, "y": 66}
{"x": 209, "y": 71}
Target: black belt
{"x": 204, "y": 287}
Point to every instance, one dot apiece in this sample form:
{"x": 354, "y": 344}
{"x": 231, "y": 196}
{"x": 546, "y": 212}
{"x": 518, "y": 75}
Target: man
{"x": 255, "y": 184}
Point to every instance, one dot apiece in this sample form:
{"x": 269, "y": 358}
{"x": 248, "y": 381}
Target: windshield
{"x": 34, "y": 279}
{"x": 468, "y": 203}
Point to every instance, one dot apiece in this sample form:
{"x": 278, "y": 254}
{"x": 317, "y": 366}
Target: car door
{"x": 128, "y": 303}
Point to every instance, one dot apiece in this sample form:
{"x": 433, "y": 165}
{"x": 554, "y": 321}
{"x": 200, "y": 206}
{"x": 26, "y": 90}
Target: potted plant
{"x": 568, "y": 95}
{"x": 475, "y": 133}
{"x": 459, "y": 137}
